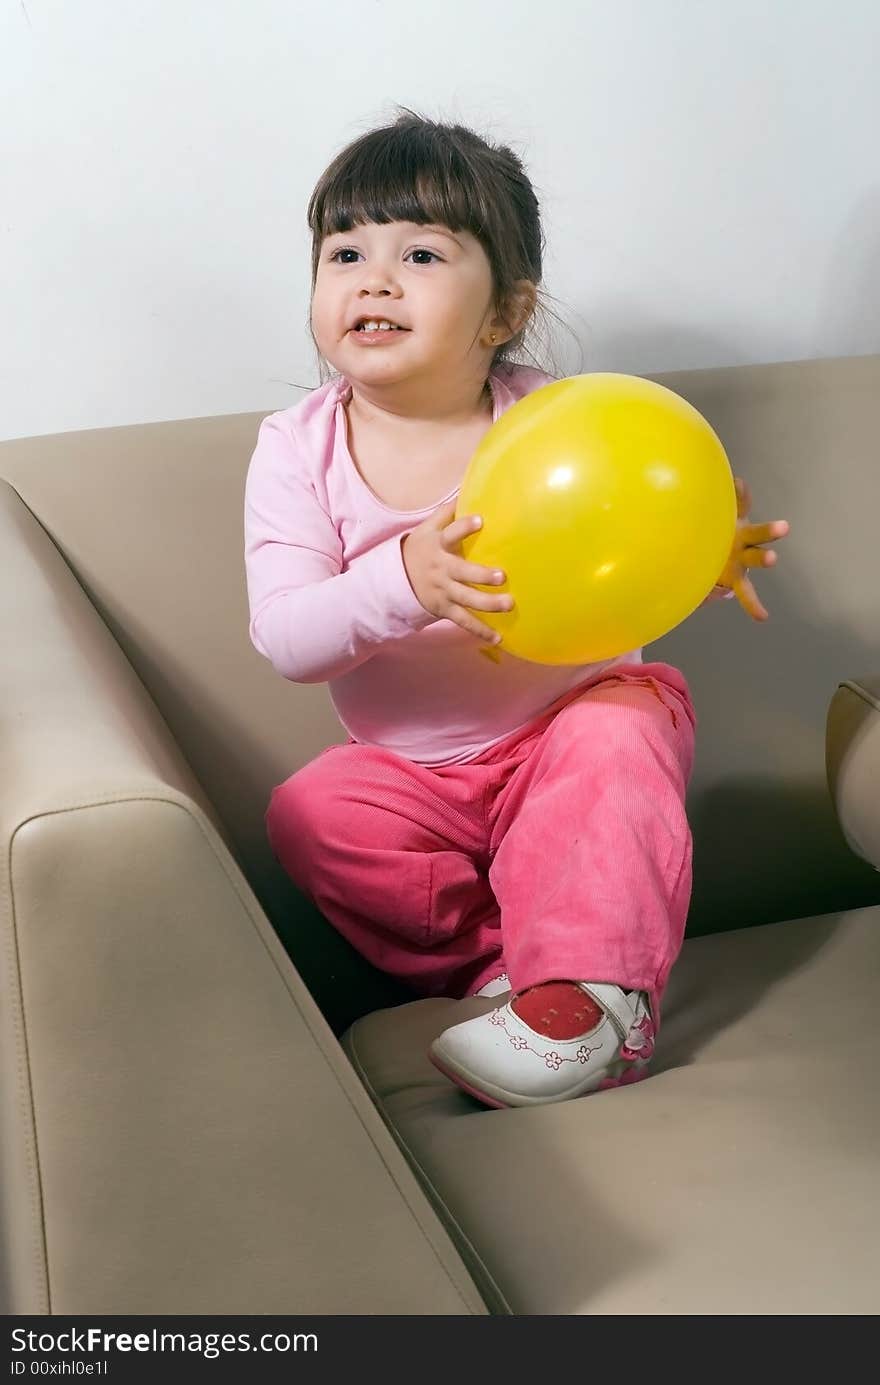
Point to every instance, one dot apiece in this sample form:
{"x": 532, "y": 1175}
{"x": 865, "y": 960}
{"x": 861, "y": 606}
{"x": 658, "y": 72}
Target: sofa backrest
{"x": 149, "y": 517}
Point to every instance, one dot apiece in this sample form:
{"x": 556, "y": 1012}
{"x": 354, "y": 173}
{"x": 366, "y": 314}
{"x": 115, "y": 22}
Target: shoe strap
{"x": 620, "y": 1008}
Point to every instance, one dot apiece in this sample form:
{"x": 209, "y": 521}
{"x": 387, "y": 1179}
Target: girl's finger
{"x": 479, "y": 601}
{"x": 758, "y": 557}
{"x": 473, "y": 626}
{"x": 463, "y": 571}
{"x": 764, "y": 533}
{"x": 444, "y": 514}
{"x": 749, "y": 600}
{"x": 453, "y": 534}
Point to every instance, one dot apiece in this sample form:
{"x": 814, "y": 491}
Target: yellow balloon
{"x": 609, "y": 502}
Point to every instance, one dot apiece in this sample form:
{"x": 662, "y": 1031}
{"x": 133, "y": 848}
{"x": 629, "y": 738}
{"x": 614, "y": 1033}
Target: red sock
{"x": 558, "y": 1009}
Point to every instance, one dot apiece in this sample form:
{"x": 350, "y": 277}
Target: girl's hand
{"x": 746, "y": 552}
{"x": 440, "y": 576}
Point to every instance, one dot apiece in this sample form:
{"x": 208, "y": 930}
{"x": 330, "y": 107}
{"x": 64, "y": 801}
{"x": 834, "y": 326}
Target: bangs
{"x": 405, "y": 175}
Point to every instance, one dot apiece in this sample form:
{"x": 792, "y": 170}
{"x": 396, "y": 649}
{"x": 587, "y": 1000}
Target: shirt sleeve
{"x": 309, "y": 618}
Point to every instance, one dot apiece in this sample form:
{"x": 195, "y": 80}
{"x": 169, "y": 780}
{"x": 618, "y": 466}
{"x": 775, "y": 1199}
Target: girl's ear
{"x": 519, "y": 306}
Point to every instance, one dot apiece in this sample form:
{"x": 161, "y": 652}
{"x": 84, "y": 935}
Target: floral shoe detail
{"x": 501, "y": 1061}
{"x": 499, "y": 985}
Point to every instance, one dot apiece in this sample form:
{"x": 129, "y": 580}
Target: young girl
{"x": 493, "y": 826}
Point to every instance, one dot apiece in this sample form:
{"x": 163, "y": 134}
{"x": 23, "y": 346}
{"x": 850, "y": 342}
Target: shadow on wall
{"x": 846, "y": 322}
{"x": 662, "y": 347}
{"x": 848, "y": 308}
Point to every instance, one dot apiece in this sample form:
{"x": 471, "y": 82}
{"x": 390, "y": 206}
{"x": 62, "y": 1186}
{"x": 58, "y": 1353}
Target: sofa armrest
{"x": 852, "y": 758}
{"x": 179, "y": 1130}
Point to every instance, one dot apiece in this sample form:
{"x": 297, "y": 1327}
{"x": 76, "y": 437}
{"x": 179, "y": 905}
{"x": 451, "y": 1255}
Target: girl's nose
{"x": 379, "y": 279}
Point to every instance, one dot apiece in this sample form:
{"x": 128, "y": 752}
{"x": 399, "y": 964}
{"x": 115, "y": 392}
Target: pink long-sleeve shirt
{"x": 330, "y": 600}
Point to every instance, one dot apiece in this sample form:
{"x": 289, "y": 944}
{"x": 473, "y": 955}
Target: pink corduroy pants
{"x": 562, "y": 852}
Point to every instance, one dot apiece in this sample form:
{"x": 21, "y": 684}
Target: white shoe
{"x": 500, "y": 985}
{"x": 501, "y": 1061}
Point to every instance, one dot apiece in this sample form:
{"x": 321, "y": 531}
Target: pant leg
{"x": 395, "y": 855}
{"x": 591, "y": 844}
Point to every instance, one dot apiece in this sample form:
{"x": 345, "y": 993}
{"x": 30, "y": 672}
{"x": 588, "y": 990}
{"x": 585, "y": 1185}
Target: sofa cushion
{"x": 741, "y": 1178}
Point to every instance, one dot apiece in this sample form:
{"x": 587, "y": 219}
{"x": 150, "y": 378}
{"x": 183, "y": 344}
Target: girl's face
{"x": 435, "y": 285}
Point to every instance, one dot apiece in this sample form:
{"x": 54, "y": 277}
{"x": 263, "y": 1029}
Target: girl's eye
{"x": 429, "y": 253}
{"x": 337, "y": 253}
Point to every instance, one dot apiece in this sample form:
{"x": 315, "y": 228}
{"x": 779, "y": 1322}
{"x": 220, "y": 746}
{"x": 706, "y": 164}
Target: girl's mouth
{"x": 367, "y": 335}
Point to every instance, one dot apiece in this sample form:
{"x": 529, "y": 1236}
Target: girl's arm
{"x": 311, "y": 620}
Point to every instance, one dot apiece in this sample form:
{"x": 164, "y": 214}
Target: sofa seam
{"x": 194, "y": 813}
{"x": 25, "y": 1092}
{"x": 405, "y": 1147}
{"x": 853, "y": 686}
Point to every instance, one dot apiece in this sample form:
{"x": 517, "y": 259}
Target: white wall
{"x": 708, "y": 171}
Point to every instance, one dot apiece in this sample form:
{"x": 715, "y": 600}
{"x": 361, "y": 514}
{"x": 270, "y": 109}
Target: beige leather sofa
{"x": 182, "y": 1129}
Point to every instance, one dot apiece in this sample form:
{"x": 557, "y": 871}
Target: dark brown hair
{"x": 423, "y": 171}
